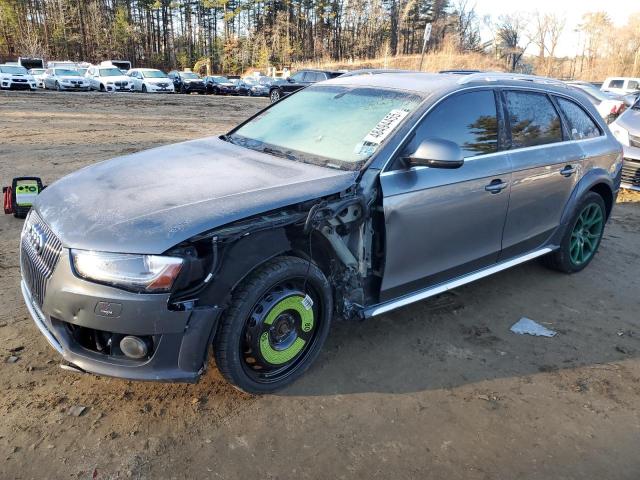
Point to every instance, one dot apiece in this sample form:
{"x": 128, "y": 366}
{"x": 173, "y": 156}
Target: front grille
{"x": 120, "y": 84}
{"x": 163, "y": 85}
{"x": 634, "y": 141}
{"x": 20, "y": 80}
{"x": 38, "y": 260}
{"x": 631, "y": 172}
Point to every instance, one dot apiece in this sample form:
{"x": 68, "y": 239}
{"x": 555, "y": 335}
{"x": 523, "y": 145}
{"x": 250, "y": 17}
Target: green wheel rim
{"x": 586, "y": 234}
{"x": 281, "y": 330}
{"x": 304, "y": 320}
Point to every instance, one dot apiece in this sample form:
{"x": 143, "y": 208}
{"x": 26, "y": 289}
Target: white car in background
{"x": 108, "y": 79}
{"x": 15, "y": 77}
{"x": 609, "y": 105}
{"x": 150, "y": 80}
{"x": 65, "y": 79}
{"x": 621, "y": 85}
{"x": 38, "y": 75}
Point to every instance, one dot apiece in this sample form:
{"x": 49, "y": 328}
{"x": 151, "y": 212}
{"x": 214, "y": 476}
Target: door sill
{"x": 443, "y": 287}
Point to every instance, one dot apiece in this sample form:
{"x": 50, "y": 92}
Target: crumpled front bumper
{"x": 631, "y": 168}
{"x": 181, "y": 338}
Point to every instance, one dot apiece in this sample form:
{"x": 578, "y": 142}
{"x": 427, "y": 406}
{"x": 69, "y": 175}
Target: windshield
{"x": 265, "y": 80}
{"x": 328, "y": 125}
{"x": 153, "y": 74}
{"x": 64, "y": 72}
{"x": 189, "y": 75}
{"x": 13, "y": 69}
{"x": 221, "y": 80}
{"x": 110, "y": 72}
{"x": 82, "y": 71}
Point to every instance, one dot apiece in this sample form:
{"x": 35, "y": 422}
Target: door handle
{"x": 568, "y": 171}
{"x": 496, "y": 186}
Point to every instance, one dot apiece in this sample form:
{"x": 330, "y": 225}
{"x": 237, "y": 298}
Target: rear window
{"x": 633, "y": 85}
{"x": 616, "y": 83}
{"x": 580, "y": 123}
{"x": 533, "y": 119}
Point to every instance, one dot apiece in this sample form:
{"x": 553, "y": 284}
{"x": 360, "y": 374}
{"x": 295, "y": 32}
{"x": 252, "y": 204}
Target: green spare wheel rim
{"x": 280, "y": 330}
{"x": 586, "y": 234}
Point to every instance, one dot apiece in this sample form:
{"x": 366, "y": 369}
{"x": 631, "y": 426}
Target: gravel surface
{"x": 441, "y": 389}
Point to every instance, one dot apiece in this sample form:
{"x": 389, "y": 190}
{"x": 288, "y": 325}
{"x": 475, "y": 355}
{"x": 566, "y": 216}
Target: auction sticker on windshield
{"x": 383, "y": 128}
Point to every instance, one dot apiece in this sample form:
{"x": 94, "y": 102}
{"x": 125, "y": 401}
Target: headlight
{"x": 142, "y": 273}
{"x": 620, "y": 133}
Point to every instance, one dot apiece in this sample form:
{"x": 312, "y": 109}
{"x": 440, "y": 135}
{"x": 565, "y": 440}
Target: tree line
{"x": 234, "y": 35}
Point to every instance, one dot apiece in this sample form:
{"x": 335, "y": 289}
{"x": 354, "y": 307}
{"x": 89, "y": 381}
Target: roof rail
{"x": 496, "y": 76}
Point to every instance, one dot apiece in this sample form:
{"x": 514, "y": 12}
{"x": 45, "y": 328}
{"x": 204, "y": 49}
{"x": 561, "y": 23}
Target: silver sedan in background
{"x": 65, "y": 79}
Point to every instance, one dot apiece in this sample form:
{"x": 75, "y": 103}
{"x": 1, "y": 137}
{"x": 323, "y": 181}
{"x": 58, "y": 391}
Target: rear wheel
{"x": 275, "y": 327}
{"x": 275, "y": 95}
{"x": 582, "y": 237}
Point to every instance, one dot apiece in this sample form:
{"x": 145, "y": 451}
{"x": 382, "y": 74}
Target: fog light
{"x": 134, "y": 347}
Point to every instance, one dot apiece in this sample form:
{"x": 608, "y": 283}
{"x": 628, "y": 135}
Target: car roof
{"x": 333, "y": 72}
{"x": 422, "y": 82}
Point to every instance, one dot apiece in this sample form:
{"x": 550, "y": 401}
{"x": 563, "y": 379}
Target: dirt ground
{"x": 438, "y": 390}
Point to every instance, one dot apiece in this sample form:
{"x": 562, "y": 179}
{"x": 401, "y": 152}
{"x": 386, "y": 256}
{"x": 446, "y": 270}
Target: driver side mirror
{"x": 435, "y": 153}
{"x": 290, "y": 80}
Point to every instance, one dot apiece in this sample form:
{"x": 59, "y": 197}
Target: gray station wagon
{"x": 349, "y": 198}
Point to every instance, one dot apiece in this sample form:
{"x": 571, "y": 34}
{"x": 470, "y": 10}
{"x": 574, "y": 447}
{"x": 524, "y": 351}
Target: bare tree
{"x": 511, "y": 39}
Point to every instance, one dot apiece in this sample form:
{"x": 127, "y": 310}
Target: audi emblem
{"x": 36, "y": 238}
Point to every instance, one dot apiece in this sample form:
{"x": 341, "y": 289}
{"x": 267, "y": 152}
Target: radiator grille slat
{"x": 38, "y": 264}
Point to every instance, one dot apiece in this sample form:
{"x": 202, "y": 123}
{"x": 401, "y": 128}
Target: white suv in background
{"x": 621, "y": 85}
{"x": 150, "y": 80}
{"x": 108, "y": 79}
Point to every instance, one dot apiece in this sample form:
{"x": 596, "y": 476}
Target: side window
{"x": 579, "y": 121}
{"x": 533, "y": 119}
{"x": 633, "y": 85}
{"x": 468, "y": 119}
{"x": 298, "y": 76}
{"x": 616, "y": 84}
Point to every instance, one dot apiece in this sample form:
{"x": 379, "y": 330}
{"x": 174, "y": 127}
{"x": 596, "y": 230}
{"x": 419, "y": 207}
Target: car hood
{"x": 116, "y": 78}
{"x": 158, "y": 80}
{"x": 630, "y": 121}
{"x": 149, "y": 201}
{"x": 71, "y": 77}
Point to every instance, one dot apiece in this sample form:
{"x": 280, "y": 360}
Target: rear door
{"x": 546, "y": 168}
{"x": 443, "y": 223}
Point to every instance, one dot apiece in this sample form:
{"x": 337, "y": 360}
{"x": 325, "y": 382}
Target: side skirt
{"x": 443, "y": 287}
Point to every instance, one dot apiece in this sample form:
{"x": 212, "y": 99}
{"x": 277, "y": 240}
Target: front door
{"x": 545, "y": 171}
{"x": 443, "y": 223}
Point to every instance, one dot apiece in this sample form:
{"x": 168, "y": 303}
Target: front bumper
{"x": 180, "y": 339}
{"x": 74, "y": 88}
{"x": 119, "y": 88}
{"x": 194, "y": 87}
{"x": 11, "y": 85}
{"x": 156, "y": 89}
{"x": 631, "y": 168}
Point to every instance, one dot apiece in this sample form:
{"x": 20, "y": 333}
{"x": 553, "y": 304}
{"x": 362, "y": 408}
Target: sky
{"x": 572, "y": 10}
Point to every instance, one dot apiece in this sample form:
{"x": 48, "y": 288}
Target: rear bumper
{"x": 70, "y": 314}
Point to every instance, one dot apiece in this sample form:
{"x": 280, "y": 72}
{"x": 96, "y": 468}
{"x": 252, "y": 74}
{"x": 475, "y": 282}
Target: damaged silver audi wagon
{"x": 349, "y": 198}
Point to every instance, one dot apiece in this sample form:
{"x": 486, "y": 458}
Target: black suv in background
{"x": 300, "y": 79}
{"x": 187, "y": 82}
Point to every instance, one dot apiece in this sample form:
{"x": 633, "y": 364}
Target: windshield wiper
{"x": 278, "y": 153}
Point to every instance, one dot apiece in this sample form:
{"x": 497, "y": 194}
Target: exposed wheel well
{"x": 605, "y": 192}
